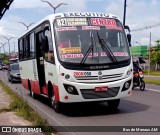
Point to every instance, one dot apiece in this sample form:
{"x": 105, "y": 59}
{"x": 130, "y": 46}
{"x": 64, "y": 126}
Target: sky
{"x": 139, "y": 14}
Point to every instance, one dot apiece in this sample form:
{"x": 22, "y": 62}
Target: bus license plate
{"x": 99, "y": 89}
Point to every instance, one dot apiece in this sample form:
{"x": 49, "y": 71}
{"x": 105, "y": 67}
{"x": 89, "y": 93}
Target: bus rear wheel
{"x": 32, "y": 94}
{"x": 113, "y": 104}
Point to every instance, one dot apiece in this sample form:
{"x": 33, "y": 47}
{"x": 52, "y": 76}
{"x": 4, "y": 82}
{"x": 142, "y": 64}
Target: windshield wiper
{"x": 91, "y": 48}
{"x": 106, "y": 48}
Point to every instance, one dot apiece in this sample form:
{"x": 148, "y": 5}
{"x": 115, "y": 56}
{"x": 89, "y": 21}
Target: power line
{"x": 12, "y": 29}
{"x": 147, "y": 27}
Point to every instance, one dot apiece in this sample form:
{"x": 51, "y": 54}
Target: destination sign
{"x": 86, "y": 14}
{"x": 71, "y": 22}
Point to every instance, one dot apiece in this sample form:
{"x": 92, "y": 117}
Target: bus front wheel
{"x": 113, "y": 104}
{"x": 56, "y": 105}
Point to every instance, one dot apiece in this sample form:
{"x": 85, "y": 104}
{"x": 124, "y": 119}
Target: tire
{"x": 8, "y": 79}
{"x": 142, "y": 85}
{"x": 57, "y": 106}
{"x": 113, "y": 104}
{"x": 11, "y": 80}
{"x": 32, "y": 94}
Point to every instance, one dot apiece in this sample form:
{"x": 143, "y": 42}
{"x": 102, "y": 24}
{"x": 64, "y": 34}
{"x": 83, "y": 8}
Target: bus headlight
{"x": 129, "y": 72}
{"x": 71, "y": 89}
{"x": 126, "y": 85}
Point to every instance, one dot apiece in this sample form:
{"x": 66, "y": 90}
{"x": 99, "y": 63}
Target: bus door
{"x": 40, "y": 60}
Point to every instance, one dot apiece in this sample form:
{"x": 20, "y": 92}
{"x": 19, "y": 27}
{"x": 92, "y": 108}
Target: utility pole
{"x": 3, "y": 45}
{"x": 27, "y": 26}
{"x": 149, "y": 67}
{"x": 124, "y": 15}
{"x": 14, "y": 47}
{"x": 54, "y": 7}
{"x": 8, "y": 39}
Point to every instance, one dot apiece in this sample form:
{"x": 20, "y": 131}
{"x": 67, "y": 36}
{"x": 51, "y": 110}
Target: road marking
{"x": 153, "y": 90}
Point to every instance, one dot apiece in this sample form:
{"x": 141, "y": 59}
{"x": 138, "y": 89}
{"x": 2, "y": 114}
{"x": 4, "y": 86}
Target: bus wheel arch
{"x": 56, "y": 105}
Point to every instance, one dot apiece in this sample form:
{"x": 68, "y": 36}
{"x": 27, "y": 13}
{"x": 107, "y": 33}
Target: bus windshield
{"x": 99, "y": 40}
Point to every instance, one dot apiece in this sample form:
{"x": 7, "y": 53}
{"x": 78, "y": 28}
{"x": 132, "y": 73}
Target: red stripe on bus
{"x": 25, "y": 83}
{"x": 35, "y": 87}
{"x": 56, "y": 92}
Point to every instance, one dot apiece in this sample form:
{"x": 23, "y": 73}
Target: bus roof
{"x": 51, "y": 17}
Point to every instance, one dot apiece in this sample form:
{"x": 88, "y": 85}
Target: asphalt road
{"x": 142, "y": 108}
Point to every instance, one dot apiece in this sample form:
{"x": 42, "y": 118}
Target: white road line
{"x": 153, "y": 90}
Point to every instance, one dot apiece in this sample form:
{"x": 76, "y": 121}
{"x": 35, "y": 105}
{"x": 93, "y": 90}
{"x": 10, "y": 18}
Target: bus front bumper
{"x": 88, "y": 92}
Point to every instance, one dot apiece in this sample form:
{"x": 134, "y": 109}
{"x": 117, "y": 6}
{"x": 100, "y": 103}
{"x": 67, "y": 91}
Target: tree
{"x": 5, "y": 58}
{"x": 155, "y": 55}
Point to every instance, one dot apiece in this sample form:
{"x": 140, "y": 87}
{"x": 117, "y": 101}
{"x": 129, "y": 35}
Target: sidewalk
{"x": 9, "y": 118}
{"x": 153, "y": 77}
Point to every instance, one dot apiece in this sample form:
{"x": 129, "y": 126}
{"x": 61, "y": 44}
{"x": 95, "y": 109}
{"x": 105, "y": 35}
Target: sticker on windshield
{"x": 90, "y": 28}
{"x": 71, "y": 50}
{"x": 66, "y": 28}
{"x": 115, "y": 54}
{"x": 93, "y": 55}
{"x": 120, "y": 54}
{"x": 113, "y": 28}
{"x": 69, "y": 56}
{"x": 103, "y": 22}
{"x": 71, "y": 22}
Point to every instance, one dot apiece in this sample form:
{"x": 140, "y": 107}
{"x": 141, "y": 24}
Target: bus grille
{"x": 113, "y": 76}
{"x": 92, "y": 94}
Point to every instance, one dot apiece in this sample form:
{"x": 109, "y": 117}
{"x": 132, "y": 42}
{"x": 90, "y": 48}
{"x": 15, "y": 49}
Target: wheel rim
{"x": 32, "y": 94}
{"x": 53, "y": 101}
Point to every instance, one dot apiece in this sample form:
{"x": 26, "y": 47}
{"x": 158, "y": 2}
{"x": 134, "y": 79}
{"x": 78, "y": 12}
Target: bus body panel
{"x": 31, "y": 67}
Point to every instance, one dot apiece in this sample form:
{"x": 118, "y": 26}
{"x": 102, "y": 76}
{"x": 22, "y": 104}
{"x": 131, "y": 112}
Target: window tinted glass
{"x": 15, "y": 67}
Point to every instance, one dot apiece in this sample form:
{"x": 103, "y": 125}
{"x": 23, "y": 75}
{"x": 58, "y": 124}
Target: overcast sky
{"x": 140, "y": 13}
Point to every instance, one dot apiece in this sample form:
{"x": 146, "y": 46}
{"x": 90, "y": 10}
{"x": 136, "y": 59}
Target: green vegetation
{"x": 152, "y": 73}
{"x": 155, "y": 54}
{"x": 22, "y": 109}
{"x": 151, "y": 81}
{"x": 5, "y": 110}
{"x": 5, "y": 58}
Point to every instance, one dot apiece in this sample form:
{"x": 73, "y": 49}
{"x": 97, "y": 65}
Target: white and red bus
{"x": 77, "y": 57}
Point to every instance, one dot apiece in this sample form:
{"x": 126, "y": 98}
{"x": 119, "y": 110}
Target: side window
{"x": 32, "y": 45}
{"x": 21, "y": 49}
{"x": 49, "y": 53}
{"x": 26, "y": 47}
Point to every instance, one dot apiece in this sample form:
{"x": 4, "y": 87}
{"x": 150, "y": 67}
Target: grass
{"x": 152, "y": 73}
{"x": 5, "y": 110}
{"x": 151, "y": 81}
{"x": 22, "y": 109}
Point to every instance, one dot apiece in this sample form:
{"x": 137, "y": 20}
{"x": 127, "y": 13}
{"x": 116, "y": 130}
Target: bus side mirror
{"x": 128, "y": 35}
{"x": 127, "y": 28}
{"x": 129, "y": 39}
{"x": 45, "y": 39}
